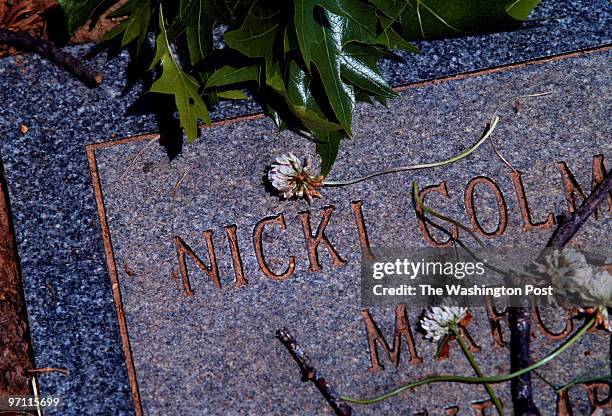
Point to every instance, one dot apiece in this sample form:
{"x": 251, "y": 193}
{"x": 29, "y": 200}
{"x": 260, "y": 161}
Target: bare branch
{"x": 309, "y": 373}
{"x": 24, "y": 42}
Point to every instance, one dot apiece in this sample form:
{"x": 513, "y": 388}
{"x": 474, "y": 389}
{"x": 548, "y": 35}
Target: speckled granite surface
{"x": 70, "y": 304}
{"x": 211, "y": 350}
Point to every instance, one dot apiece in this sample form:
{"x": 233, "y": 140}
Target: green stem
{"x": 540, "y": 376}
{"x": 477, "y": 380}
{"x": 469, "y": 151}
{"x": 488, "y": 132}
{"x": 479, "y": 373}
{"x": 426, "y": 210}
{"x": 583, "y": 379}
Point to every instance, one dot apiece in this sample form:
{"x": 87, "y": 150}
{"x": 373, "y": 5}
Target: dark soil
{"x": 16, "y": 355}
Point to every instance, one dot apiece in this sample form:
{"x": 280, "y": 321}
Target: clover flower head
{"x": 292, "y": 178}
{"x": 571, "y": 275}
{"x": 566, "y": 269}
{"x": 598, "y": 289}
{"x": 438, "y": 321}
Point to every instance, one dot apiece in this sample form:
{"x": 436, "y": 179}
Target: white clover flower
{"x": 438, "y": 320}
{"x": 292, "y": 178}
{"x": 571, "y": 275}
{"x": 598, "y": 289}
{"x": 567, "y": 269}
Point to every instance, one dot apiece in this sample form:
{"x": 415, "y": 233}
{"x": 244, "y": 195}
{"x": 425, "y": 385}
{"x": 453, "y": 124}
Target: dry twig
{"x": 309, "y": 373}
{"x": 179, "y": 182}
{"x": 569, "y": 225}
{"x": 24, "y": 42}
{"x": 520, "y": 317}
{"x": 47, "y": 370}
{"x": 133, "y": 162}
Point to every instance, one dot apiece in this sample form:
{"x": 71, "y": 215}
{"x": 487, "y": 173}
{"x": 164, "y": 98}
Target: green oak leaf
{"x": 199, "y": 32}
{"x": 304, "y": 106}
{"x": 256, "y": 37}
{"x": 341, "y": 42}
{"x": 521, "y": 9}
{"x": 196, "y": 19}
{"x": 175, "y": 81}
{"x": 359, "y": 24}
{"x": 136, "y": 24}
{"x": 430, "y": 19}
{"x": 328, "y": 144}
{"x": 324, "y": 48}
{"x": 78, "y": 12}
{"x": 360, "y": 20}
{"x": 326, "y": 31}
{"x": 305, "y": 26}
{"x": 228, "y": 75}
{"x": 300, "y": 100}
{"x": 359, "y": 66}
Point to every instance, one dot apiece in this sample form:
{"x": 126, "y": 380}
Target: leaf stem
{"x": 490, "y": 127}
{"x": 487, "y": 134}
{"x": 478, "y": 380}
{"x": 479, "y": 373}
{"x": 537, "y": 373}
{"x": 427, "y": 210}
{"x": 583, "y": 380}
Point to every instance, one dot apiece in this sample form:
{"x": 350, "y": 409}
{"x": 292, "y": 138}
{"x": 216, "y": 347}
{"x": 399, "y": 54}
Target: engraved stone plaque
{"x": 207, "y": 264}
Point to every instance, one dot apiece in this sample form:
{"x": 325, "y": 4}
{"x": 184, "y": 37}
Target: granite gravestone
{"x": 206, "y": 264}
{"x": 71, "y": 311}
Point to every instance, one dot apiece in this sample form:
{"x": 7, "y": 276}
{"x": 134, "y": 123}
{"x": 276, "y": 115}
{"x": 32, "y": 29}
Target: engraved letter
{"x": 480, "y": 407}
{"x": 501, "y": 206}
{"x": 182, "y": 248}
{"x": 528, "y": 224}
{"x": 564, "y": 405}
{"x": 598, "y": 175}
{"x": 536, "y": 316}
{"x": 402, "y": 328}
{"x": 364, "y": 242}
{"x": 259, "y": 254}
{"x": 441, "y": 189}
{"x": 312, "y": 242}
{"x": 232, "y": 239}
{"x": 571, "y": 186}
{"x": 598, "y": 405}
